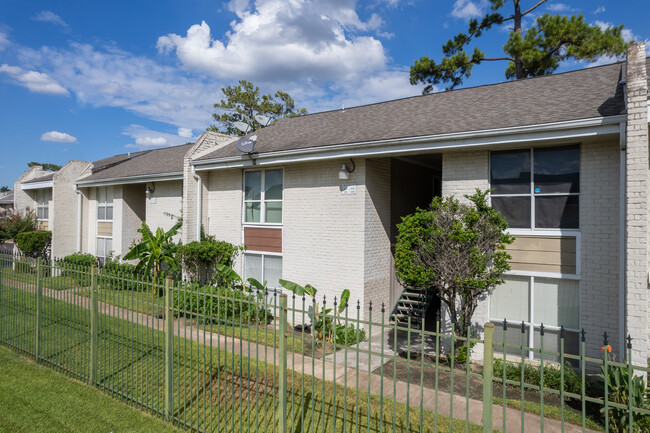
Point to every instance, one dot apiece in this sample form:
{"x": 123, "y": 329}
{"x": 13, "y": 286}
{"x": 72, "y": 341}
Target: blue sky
{"x": 85, "y": 80}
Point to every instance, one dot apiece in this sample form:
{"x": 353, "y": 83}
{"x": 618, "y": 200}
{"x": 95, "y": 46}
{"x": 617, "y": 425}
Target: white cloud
{"x": 58, "y": 137}
{"x": 4, "y": 41}
{"x": 599, "y": 9}
{"x": 466, "y": 9}
{"x": 37, "y": 82}
{"x": 185, "y": 132}
{"x": 145, "y": 138}
{"x": 284, "y": 41}
{"x": 115, "y": 78}
{"x": 560, "y": 7}
{"x": 50, "y": 17}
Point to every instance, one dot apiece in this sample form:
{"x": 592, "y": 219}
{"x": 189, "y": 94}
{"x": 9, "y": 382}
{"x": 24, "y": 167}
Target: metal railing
{"x": 240, "y": 359}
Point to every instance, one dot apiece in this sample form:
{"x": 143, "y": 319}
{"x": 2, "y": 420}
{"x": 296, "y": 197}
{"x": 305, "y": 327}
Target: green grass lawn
{"x": 56, "y": 283}
{"x": 36, "y": 399}
{"x": 213, "y": 388}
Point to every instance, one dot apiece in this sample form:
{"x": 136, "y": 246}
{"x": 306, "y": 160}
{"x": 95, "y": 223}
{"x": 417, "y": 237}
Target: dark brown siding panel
{"x": 263, "y": 239}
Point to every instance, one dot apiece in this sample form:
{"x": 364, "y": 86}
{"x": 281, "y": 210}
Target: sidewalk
{"x": 458, "y": 407}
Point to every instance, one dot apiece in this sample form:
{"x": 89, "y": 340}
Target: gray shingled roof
{"x": 166, "y": 160}
{"x": 583, "y": 94}
{"x": 45, "y": 178}
{"x": 7, "y": 198}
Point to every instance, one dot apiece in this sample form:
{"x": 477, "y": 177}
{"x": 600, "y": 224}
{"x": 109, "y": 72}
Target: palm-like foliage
{"x": 154, "y": 250}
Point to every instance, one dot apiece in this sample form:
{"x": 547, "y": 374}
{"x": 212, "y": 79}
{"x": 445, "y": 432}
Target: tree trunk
{"x": 519, "y": 63}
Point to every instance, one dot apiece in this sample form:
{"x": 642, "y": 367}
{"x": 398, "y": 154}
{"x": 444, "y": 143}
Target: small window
{"x": 550, "y": 199}
{"x": 263, "y": 267}
{"x": 104, "y": 248}
{"x": 43, "y": 197}
{"x": 105, "y": 203}
{"x": 263, "y": 191}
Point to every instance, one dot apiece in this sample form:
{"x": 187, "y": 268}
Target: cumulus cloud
{"x": 560, "y": 7}
{"x": 466, "y": 9}
{"x": 50, "y": 17}
{"x": 275, "y": 40}
{"x": 145, "y": 138}
{"x": 58, "y": 137}
{"x": 37, "y": 82}
{"x": 185, "y": 132}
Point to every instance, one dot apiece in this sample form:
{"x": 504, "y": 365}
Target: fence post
{"x": 169, "y": 349}
{"x": 39, "y": 308}
{"x": 282, "y": 392}
{"x": 94, "y": 321}
{"x": 488, "y": 364}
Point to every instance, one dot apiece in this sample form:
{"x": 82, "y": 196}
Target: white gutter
{"x": 575, "y": 129}
{"x": 79, "y": 213}
{"x": 199, "y": 199}
{"x": 621, "y": 243}
{"x": 131, "y": 180}
{"x": 38, "y": 185}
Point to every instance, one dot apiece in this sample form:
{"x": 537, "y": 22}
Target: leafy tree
{"x": 456, "y": 250}
{"x": 35, "y": 244}
{"x": 46, "y": 166}
{"x": 535, "y": 51}
{"x": 12, "y": 225}
{"x": 244, "y": 102}
{"x": 4, "y": 188}
{"x": 154, "y": 250}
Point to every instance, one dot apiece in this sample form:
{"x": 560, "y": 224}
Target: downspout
{"x": 79, "y": 203}
{"x": 199, "y": 199}
{"x": 621, "y": 246}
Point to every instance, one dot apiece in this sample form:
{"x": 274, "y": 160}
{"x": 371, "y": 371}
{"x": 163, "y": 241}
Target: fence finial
{"x": 541, "y": 329}
{"x": 523, "y": 327}
{"x": 370, "y": 306}
{"x": 561, "y": 331}
{"x": 629, "y": 341}
{"x": 605, "y": 343}
{"x": 582, "y": 335}
{"x": 383, "y": 307}
{"x": 358, "y": 304}
{"x": 505, "y": 324}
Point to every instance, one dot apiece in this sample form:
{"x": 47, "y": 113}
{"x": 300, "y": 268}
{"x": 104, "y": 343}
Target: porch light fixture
{"x": 149, "y": 189}
{"x": 344, "y": 173}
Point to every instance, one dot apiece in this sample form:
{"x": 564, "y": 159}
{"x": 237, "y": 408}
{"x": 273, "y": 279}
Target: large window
{"x": 263, "y": 267}
{"x": 43, "y": 197}
{"x": 535, "y": 301}
{"x": 263, "y": 196}
{"x": 537, "y": 188}
{"x": 105, "y": 203}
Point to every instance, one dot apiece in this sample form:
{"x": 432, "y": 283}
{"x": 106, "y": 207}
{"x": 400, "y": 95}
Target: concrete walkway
{"x": 439, "y": 401}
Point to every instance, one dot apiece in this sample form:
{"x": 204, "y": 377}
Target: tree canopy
{"x": 243, "y": 102}
{"x": 530, "y": 52}
{"x": 4, "y": 188}
{"x": 456, "y": 250}
{"x": 46, "y": 166}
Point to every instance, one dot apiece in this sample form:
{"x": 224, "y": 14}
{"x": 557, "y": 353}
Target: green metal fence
{"x": 241, "y": 359}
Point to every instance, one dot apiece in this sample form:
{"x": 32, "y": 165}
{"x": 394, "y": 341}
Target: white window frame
{"x": 531, "y": 193}
{"x": 262, "y": 199}
{"x": 41, "y": 194}
{"x": 263, "y": 254}
{"x": 105, "y": 204}
{"x": 531, "y": 325}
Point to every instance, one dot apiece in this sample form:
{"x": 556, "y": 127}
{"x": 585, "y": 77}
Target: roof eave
{"x": 573, "y": 129}
{"x": 37, "y": 185}
{"x": 130, "y": 180}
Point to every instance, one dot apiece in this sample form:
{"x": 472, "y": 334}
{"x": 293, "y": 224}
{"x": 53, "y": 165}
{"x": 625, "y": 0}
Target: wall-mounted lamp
{"x": 149, "y": 189}
{"x": 344, "y": 173}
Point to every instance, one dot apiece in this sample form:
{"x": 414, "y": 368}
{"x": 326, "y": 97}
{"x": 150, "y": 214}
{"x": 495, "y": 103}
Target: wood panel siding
{"x": 263, "y": 239}
{"x": 104, "y": 229}
{"x": 543, "y": 254}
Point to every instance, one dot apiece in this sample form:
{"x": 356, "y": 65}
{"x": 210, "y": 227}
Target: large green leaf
{"x": 345, "y": 297}
{"x": 228, "y": 273}
{"x": 293, "y": 287}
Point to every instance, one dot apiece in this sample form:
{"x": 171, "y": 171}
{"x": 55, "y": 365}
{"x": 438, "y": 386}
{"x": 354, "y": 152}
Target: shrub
{"x": 78, "y": 267}
{"x": 118, "y": 275}
{"x": 532, "y": 373}
{"x": 35, "y": 244}
{"x": 200, "y": 259}
{"x": 220, "y": 304}
{"x": 12, "y": 225}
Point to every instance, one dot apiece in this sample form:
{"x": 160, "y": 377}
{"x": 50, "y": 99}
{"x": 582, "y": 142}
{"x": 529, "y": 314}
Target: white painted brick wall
{"x": 636, "y": 267}
{"x": 64, "y": 209}
{"x": 168, "y": 200}
{"x": 24, "y": 199}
